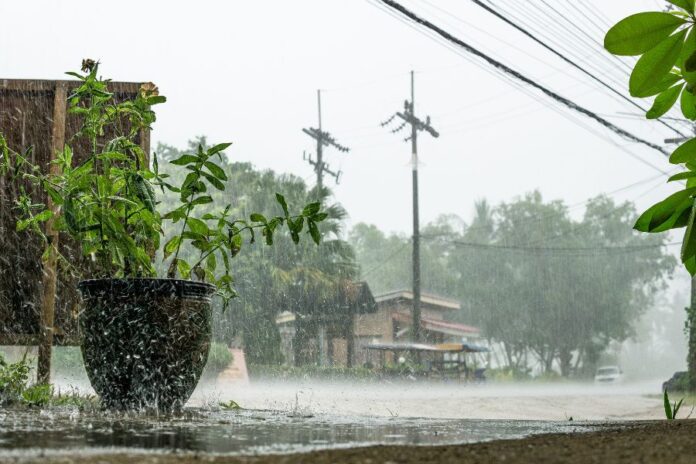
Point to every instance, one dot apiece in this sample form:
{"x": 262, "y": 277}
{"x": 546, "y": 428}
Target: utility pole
{"x": 323, "y": 139}
{"x": 408, "y": 116}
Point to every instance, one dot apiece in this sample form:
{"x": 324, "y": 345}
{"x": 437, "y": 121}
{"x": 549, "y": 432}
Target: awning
{"x": 448, "y": 328}
{"x": 422, "y": 347}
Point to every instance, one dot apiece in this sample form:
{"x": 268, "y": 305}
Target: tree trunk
{"x": 691, "y": 328}
{"x": 565, "y": 357}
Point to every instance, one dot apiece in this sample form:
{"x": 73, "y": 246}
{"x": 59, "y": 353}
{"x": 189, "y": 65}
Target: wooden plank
{"x": 42, "y": 85}
{"x": 50, "y": 271}
{"x": 59, "y": 90}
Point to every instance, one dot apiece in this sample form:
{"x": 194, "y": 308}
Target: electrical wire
{"x": 566, "y": 59}
{"x": 519, "y": 76}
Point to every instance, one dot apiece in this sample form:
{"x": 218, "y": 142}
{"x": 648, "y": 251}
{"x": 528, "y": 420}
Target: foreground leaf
{"x": 671, "y": 213}
{"x": 640, "y": 32}
{"x": 654, "y": 65}
{"x": 664, "y": 102}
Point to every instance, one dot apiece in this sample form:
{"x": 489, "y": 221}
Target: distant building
{"x": 338, "y": 333}
{"x": 392, "y": 323}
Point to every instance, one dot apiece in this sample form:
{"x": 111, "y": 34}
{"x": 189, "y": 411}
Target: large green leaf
{"x": 654, "y": 65}
{"x": 687, "y": 52}
{"x": 685, "y": 153}
{"x": 670, "y": 213}
{"x": 664, "y": 101}
{"x": 682, "y": 176}
{"x": 668, "y": 81}
{"x": 218, "y": 148}
{"x": 171, "y": 245}
{"x": 216, "y": 170}
{"x": 687, "y": 5}
{"x": 640, "y": 32}
{"x": 197, "y": 226}
{"x": 184, "y": 160}
{"x": 688, "y": 105}
{"x": 688, "y": 249}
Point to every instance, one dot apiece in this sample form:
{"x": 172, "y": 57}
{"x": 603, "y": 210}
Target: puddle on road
{"x": 243, "y": 431}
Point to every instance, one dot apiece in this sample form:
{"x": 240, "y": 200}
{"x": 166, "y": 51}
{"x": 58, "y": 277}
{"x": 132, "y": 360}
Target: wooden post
{"x": 50, "y": 271}
{"x": 350, "y": 339}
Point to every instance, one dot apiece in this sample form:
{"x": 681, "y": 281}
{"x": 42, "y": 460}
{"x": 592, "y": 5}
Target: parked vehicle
{"x": 608, "y": 375}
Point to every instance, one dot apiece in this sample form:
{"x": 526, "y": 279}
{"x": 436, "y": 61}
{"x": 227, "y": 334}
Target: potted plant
{"x": 145, "y": 339}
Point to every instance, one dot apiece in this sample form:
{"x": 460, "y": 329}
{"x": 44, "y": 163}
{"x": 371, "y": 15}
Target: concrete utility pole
{"x": 409, "y": 117}
{"x": 323, "y": 139}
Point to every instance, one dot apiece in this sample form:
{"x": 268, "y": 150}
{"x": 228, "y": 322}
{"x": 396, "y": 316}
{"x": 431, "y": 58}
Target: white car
{"x": 608, "y": 375}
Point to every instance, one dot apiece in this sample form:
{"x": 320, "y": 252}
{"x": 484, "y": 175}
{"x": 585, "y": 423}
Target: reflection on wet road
{"x": 241, "y": 432}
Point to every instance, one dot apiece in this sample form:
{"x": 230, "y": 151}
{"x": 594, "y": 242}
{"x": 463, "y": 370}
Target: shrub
{"x": 14, "y": 378}
{"x": 219, "y": 359}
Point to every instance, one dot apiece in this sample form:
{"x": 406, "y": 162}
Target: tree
{"x": 537, "y": 281}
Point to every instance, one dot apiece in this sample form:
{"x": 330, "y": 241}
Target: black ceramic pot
{"x": 145, "y": 341}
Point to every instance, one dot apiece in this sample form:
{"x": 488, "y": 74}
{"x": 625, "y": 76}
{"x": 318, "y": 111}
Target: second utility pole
{"x": 416, "y": 220}
{"x": 409, "y": 117}
{"x": 323, "y": 139}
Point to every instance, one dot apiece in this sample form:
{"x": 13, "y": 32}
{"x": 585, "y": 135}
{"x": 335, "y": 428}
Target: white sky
{"x": 247, "y": 72}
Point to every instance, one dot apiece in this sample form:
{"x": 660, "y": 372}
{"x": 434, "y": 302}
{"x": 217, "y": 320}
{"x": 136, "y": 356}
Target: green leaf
{"x": 311, "y": 209}
{"x": 688, "y": 50}
{"x": 184, "y": 268}
{"x": 670, "y": 213}
{"x": 296, "y": 225}
{"x": 44, "y": 215}
{"x": 198, "y": 227}
{"x": 667, "y": 406}
{"x": 214, "y": 181}
{"x": 314, "y": 231}
{"x": 654, "y": 65}
{"x": 145, "y": 192}
{"x": 685, "y": 153}
{"x": 211, "y": 262}
{"x": 640, "y": 32}
{"x": 155, "y": 99}
{"x": 320, "y": 217}
{"x": 688, "y": 105}
{"x": 171, "y": 245}
{"x": 256, "y": 217}
{"x": 690, "y": 63}
{"x": 281, "y": 200}
{"x": 216, "y": 170}
{"x": 688, "y": 249}
{"x": 690, "y": 265}
{"x": 664, "y": 102}
{"x": 682, "y": 176}
{"x": 183, "y": 160}
{"x": 202, "y": 200}
{"x": 268, "y": 235}
{"x": 668, "y": 81}
{"x": 686, "y": 5}
{"x": 218, "y": 148}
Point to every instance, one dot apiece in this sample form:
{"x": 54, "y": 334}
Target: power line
{"x": 565, "y": 58}
{"x": 535, "y": 249}
{"x": 519, "y": 76}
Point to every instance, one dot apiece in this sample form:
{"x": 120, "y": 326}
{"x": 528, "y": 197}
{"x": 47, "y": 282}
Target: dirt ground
{"x": 639, "y": 442}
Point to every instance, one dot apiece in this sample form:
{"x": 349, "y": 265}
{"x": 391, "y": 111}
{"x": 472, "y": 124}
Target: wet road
{"x": 530, "y": 401}
{"x": 64, "y": 430}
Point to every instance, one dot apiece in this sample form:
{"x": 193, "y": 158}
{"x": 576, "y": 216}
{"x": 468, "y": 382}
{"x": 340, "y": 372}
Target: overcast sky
{"x": 247, "y": 72}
